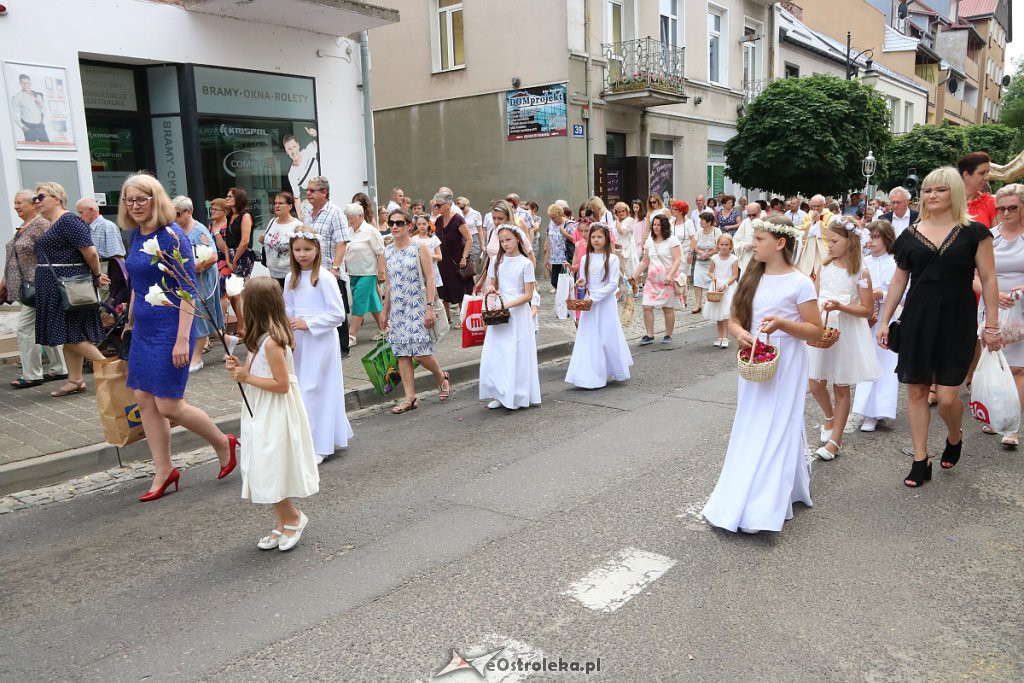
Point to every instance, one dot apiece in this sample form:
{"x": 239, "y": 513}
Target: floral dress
{"x": 407, "y": 334}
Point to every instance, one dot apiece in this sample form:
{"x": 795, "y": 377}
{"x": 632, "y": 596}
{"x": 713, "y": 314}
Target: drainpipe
{"x": 368, "y": 136}
{"x": 586, "y": 87}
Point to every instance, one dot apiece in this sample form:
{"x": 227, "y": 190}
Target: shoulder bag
{"x": 27, "y": 290}
{"x": 894, "y": 326}
{"x": 679, "y": 284}
{"x": 441, "y": 324}
{"x": 77, "y": 292}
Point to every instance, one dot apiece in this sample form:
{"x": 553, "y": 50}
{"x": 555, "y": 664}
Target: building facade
{"x": 206, "y": 94}
{"x": 615, "y": 97}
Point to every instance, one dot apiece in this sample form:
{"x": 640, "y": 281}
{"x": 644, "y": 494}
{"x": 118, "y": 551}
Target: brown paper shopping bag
{"x": 119, "y": 412}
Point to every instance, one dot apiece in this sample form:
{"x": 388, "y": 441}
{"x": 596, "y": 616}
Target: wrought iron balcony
{"x": 751, "y": 89}
{"x": 643, "y": 73}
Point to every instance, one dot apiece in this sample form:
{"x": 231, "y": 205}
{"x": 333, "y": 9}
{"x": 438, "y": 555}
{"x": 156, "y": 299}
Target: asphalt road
{"x": 456, "y": 528}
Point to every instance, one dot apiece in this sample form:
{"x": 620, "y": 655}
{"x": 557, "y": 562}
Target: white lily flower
{"x": 156, "y": 297}
{"x": 204, "y": 253}
{"x": 234, "y": 285}
{"x": 151, "y": 246}
{"x": 163, "y": 267}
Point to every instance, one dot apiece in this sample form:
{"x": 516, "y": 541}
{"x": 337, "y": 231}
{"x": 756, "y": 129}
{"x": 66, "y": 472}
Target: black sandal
{"x": 54, "y": 376}
{"x": 22, "y": 383}
{"x": 951, "y": 453}
{"x": 920, "y": 472}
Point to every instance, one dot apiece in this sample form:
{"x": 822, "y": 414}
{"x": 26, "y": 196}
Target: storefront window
{"x": 112, "y": 159}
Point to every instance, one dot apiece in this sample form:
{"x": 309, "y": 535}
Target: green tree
{"x": 808, "y": 135}
{"x": 1012, "y": 114}
{"x": 994, "y": 138}
{"x": 923, "y": 149}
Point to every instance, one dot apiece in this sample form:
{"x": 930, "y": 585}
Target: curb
{"x": 49, "y": 469}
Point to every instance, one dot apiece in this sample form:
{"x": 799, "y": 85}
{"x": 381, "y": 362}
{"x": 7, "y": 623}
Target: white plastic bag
{"x": 994, "y": 399}
{"x": 565, "y": 283}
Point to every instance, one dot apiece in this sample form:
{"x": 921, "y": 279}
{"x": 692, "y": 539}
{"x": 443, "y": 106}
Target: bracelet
{"x": 996, "y": 333}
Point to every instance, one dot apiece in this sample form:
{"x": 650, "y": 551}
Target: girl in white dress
{"x": 876, "y": 400}
{"x": 845, "y": 297}
{"x": 315, "y": 311}
{"x": 508, "y": 360}
{"x": 765, "y": 469}
{"x": 624, "y": 227}
{"x": 600, "y": 352}
{"x": 278, "y": 461}
{"x": 703, "y": 249}
{"x": 724, "y": 273}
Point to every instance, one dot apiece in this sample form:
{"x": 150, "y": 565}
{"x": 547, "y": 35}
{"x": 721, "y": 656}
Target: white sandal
{"x": 270, "y": 542}
{"x": 824, "y": 453}
{"x": 289, "y": 542}
{"x": 826, "y": 433}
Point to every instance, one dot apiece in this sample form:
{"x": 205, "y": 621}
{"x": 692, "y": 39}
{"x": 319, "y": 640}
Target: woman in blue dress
{"x": 211, "y": 317}
{"x": 162, "y": 336}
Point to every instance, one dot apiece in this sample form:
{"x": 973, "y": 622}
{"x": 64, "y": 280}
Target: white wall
{"x": 58, "y": 33}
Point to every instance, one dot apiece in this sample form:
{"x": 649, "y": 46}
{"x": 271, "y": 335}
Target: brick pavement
{"x": 33, "y": 424}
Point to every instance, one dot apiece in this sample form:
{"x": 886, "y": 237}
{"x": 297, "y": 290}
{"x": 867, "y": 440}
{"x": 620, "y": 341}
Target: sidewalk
{"x": 44, "y": 440}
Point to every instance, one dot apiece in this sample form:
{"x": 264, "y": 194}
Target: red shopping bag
{"x": 473, "y": 328}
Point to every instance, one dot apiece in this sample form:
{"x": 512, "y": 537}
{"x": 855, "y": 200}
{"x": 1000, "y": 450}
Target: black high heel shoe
{"x": 951, "y": 453}
{"x": 920, "y": 472}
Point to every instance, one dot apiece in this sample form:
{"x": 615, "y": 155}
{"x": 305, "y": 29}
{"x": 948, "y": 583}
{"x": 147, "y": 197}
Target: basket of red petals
{"x": 759, "y": 363}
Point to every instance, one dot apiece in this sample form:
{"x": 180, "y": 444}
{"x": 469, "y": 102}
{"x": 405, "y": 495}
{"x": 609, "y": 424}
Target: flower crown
{"x": 775, "y": 228}
{"x": 838, "y": 221}
{"x": 303, "y": 234}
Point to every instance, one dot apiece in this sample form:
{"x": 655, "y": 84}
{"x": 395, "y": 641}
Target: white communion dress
{"x": 277, "y": 459}
{"x": 318, "y": 358}
{"x": 878, "y": 399}
{"x": 765, "y": 468}
{"x": 720, "y": 310}
{"x": 600, "y": 352}
{"x": 508, "y": 360}
{"x": 852, "y": 358}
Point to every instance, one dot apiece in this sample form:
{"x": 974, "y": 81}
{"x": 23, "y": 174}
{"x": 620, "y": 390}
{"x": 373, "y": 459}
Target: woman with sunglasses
{"x": 408, "y": 310}
{"x": 65, "y": 250}
{"x": 276, "y": 244}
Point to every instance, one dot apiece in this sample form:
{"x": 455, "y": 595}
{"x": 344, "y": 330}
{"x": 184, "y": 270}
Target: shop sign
{"x": 538, "y": 112}
{"x": 170, "y": 154}
{"x": 40, "y": 105}
{"x": 107, "y": 88}
{"x": 246, "y": 93}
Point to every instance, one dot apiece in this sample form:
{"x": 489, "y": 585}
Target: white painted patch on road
{"x": 510, "y": 665}
{"x": 619, "y": 580}
{"x": 692, "y": 516}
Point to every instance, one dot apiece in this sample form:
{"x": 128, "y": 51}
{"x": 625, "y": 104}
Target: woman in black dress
{"x": 938, "y": 325}
{"x": 238, "y": 238}
{"x": 456, "y": 242}
{"x": 65, "y": 250}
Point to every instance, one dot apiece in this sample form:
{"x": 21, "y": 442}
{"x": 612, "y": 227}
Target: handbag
{"x": 78, "y": 293}
{"x": 381, "y": 367}
{"x": 495, "y": 316}
{"x": 679, "y": 284}
{"x": 441, "y": 325}
{"x": 27, "y": 290}
{"x": 467, "y": 273}
{"x": 894, "y": 327}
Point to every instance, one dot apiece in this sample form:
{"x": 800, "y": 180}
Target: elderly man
{"x": 815, "y": 242}
{"x": 105, "y": 235}
{"x": 901, "y": 216}
{"x": 743, "y": 240}
{"x": 795, "y": 213}
{"x": 397, "y": 195}
{"x": 331, "y": 225}
{"x": 701, "y": 205}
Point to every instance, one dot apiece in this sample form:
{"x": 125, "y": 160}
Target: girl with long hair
{"x": 312, "y": 301}
{"x": 600, "y": 352}
{"x": 278, "y": 461}
{"x": 765, "y": 469}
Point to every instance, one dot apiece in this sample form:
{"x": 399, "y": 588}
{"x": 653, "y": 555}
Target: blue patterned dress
{"x": 209, "y": 285}
{"x": 60, "y": 245}
{"x": 407, "y": 334}
{"x": 150, "y": 362}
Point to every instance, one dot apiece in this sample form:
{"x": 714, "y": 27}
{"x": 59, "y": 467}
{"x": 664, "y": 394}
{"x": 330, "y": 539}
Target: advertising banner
{"x": 40, "y": 106}
{"x": 538, "y": 112}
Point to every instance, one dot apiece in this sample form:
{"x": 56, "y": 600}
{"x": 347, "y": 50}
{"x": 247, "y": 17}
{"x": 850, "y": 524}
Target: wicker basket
{"x": 574, "y": 304}
{"x": 758, "y": 372}
{"x": 828, "y": 337}
{"x": 713, "y": 295}
{"x": 495, "y": 316}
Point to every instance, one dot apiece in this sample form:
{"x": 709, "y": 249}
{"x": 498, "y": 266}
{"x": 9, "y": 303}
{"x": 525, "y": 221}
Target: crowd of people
{"x": 812, "y": 285}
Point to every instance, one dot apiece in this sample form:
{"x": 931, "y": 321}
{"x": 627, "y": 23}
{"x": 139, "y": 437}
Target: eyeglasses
{"x": 315, "y": 189}
{"x": 399, "y": 223}
{"x": 179, "y": 213}
{"x": 436, "y": 206}
{"x": 1008, "y": 209}
{"x": 132, "y": 201}
{"x": 216, "y": 208}
{"x": 753, "y": 215}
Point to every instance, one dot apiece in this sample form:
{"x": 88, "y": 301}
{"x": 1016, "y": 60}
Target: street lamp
{"x": 868, "y": 165}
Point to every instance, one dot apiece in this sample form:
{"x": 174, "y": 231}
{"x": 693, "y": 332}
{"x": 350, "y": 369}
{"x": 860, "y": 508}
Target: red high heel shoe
{"x": 227, "y": 469}
{"x": 172, "y": 478}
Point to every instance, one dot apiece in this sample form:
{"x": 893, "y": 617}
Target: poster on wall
{"x": 661, "y": 179}
{"x": 40, "y": 106}
{"x": 538, "y": 112}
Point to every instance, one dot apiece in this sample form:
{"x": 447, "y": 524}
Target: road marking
{"x": 511, "y": 651}
{"x": 692, "y": 516}
{"x": 619, "y": 580}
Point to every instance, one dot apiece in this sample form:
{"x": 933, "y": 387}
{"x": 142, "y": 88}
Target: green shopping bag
{"x": 382, "y": 368}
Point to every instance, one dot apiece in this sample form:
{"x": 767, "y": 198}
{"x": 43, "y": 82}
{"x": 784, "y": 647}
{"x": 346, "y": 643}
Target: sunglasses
{"x": 399, "y": 223}
{"x": 40, "y": 197}
{"x": 753, "y": 215}
{"x": 436, "y": 206}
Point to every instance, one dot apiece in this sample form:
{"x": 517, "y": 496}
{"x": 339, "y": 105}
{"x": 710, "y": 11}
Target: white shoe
{"x": 319, "y": 458}
{"x": 725, "y": 344}
{"x": 717, "y": 343}
{"x": 352, "y": 341}
{"x": 823, "y": 452}
{"x": 826, "y": 433}
{"x": 269, "y": 542}
{"x": 750, "y": 531}
{"x": 289, "y": 542}
{"x": 494, "y": 404}
{"x": 869, "y": 424}
{"x": 195, "y": 368}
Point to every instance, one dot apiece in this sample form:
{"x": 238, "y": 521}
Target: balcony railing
{"x": 751, "y": 89}
{"x": 641, "y": 65}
